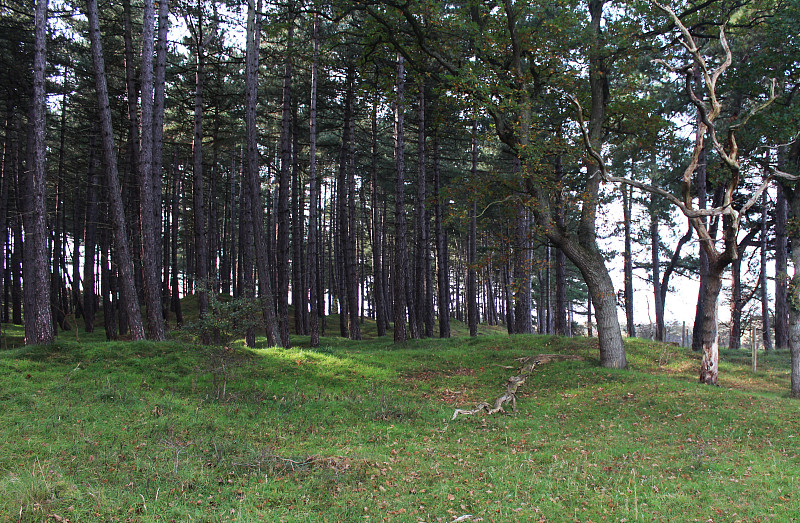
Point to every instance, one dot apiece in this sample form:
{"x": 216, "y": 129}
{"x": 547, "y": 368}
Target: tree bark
{"x": 16, "y": 268}
{"x": 282, "y": 245}
{"x": 709, "y": 366}
{"x": 472, "y": 298}
{"x": 198, "y": 183}
{"x": 561, "y": 317}
{"x": 312, "y": 265}
{"x": 90, "y": 241}
{"x": 159, "y": 98}
{"x": 508, "y": 296}
{"x": 150, "y": 252}
{"x": 735, "y": 336}
{"x": 378, "y": 278}
{"x": 116, "y": 209}
{"x": 299, "y": 294}
{"x": 522, "y": 273}
{"x": 603, "y": 298}
{"x": 765, "y": 321}
{"x": 400, "y": 275}
{"x": 246, "y": 276}
{"x": 5, "y": 186}
{"x": 345, "y": 197}
{"x": 57, "y": 225}
{"x": 256, "y": 205}
{"x": 627, "y": 194}
{"x": 781, "y": 278}
{"x": 442, "y": 261}
{"x": 107, "y": 285}
{"x": 702, "y": 197}
{"x": 174, "y": 284}
{"x": 421, "y": 227}
{"x": 38, "y": 317}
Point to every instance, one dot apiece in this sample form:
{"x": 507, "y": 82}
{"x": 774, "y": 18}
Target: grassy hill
{"x": 361, "y": 431}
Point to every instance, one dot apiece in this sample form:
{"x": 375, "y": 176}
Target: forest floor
{"x": 362, "y": 431}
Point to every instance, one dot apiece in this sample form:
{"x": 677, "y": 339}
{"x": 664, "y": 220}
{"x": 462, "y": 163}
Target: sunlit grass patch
{"x": 361, "y": 431}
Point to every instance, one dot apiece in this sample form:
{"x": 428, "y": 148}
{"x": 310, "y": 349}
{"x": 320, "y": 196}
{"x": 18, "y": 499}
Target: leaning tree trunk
{"x": 590, "y": 262}
{"x": 116, "y": 209}
{"x": 38, "y": 317}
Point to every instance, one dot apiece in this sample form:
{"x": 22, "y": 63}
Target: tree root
{"x": 513, "y": 383}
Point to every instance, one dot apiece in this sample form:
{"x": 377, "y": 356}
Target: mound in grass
{"x": 361, "y": 431}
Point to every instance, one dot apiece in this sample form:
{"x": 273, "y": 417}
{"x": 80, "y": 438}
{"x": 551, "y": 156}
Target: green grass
{"x": 361, "y": 431}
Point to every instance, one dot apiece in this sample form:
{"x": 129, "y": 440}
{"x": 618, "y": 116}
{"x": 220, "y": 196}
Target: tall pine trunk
{"x": 90, "y": 241}
{"x": 472, "y": 290}
{"x": 378, "y": 275}
{"x": 159, "y": 98}
{"x": 400, "y": 275}
{"x": 765, "y": 320}
{"x": 312, "y": 264}
{"x": 198, "y": 184}
{"x": 150, "y": 252}
{"x": 284, "y": 182}
{"x": 781, "y": 278}
{"x": 116, "y": 209}
{"x": 627, "y": 195}
{"x": 562, "y": 327}
{"x": 737, "y": 304}
{"x": 522, "y": 273}
{"x": 345, "y": 198}
{"x": 420, "y": 226}
{"x": 174, "y": 283}
{"x": 790, "y": 162}
{"x": 255, "y": 203}
{"x": 38, "y": 317}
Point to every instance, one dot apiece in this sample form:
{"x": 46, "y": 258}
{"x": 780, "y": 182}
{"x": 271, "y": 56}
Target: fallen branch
{"x": 513, "y": 384}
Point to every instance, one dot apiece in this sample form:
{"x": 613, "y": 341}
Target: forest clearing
{"x": 390, "y": 260}
{"x": 362, "y": 431}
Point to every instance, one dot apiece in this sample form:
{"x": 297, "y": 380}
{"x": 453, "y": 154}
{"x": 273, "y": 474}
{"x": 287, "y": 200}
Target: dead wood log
{"x": 513, "y": 383}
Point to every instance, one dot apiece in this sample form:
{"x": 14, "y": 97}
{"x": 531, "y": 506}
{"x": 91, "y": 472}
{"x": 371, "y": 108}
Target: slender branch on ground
{"x": 513, "y": 384}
